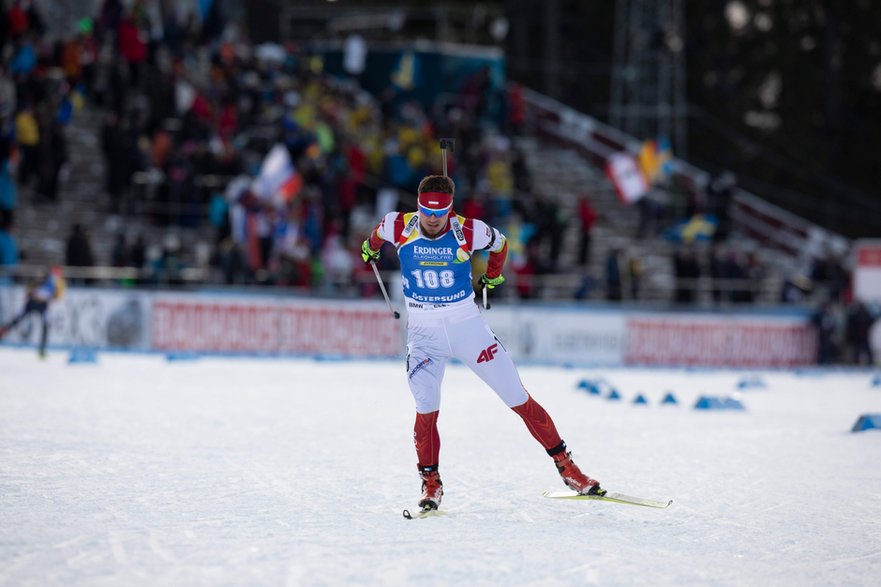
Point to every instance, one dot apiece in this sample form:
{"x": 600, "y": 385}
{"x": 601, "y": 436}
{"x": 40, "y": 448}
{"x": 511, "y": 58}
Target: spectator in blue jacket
{"x": 8, "y": 246}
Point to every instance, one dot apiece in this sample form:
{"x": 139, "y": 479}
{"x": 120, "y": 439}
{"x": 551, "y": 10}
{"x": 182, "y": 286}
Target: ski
{"x": 423, "y": 513}
{"x": 613, "y": 497}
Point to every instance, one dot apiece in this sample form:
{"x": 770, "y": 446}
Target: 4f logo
{"x": 488, "y": 354}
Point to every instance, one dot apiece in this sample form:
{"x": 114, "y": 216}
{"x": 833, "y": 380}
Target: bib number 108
{"x": 433, "y": 279}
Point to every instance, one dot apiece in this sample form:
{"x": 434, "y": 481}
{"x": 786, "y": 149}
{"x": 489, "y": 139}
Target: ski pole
{"x": 384, "y": 293}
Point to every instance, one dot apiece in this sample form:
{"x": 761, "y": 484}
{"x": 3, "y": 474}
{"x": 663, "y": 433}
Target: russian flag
{"x": 277, "y": 182}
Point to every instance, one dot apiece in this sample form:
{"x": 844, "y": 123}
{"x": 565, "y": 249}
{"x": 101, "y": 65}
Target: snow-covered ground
{"x": 137, "y": 471}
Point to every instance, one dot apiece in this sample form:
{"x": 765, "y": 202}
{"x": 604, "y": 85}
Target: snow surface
{"x": 142, "y": 471}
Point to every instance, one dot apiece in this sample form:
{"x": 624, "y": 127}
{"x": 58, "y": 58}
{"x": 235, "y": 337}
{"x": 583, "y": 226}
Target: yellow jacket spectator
{"x": 26, "y": 130}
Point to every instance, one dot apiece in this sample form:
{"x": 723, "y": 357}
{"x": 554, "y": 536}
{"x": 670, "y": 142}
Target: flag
{"x": 655, "y": 159}
{"x": 698, "y": 228}
{"x": 406, "y": 73}
{"x": 277, "y": 182}
{"x": 649, "y": 163}
{"x": 622, "y": 169}
{"x": 665, "y": 156}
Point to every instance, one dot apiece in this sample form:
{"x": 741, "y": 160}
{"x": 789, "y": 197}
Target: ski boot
{"x": 432, "y": 488}
{"x": 572, "y": 475}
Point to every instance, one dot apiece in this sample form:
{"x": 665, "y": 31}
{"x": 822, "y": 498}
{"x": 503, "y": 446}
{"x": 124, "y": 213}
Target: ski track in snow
{"x": 138, "y": 471}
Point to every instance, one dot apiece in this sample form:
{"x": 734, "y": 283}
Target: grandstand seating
{"x": 557, "y": 170}
{"x": 42, "y": 228}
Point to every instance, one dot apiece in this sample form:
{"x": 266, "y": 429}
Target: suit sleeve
{"x": 388, "y": 230}
{"x": 487, "y": 238}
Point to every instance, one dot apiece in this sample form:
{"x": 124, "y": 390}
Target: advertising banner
{"x": 265, "y": 326}
{"x": 247, "y": 324}
{"x": 680, "y": 339}
{"x": 94, "y": 318}
{"x": 559, "y": 336}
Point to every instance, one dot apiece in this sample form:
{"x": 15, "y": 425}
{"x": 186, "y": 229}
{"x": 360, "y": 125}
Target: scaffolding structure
{"x": 648, "y": 93}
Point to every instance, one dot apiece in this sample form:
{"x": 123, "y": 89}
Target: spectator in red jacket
{"x": 587, "y": 216}
{"x": 133, "y": 47}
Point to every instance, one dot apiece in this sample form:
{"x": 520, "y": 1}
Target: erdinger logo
{"x": 431, "y": 252}
{"x": 488, "y": 354}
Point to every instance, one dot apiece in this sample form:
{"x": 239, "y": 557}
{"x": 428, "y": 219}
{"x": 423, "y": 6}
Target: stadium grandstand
{"x": 213, "y": 148}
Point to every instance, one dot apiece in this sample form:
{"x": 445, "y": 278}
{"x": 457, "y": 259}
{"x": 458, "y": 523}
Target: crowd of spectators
{"x": 191, "y": 115}
{"x": 40, "y": 88}
{"x": 723, "y": 275}
{"x": 190, "y": 112}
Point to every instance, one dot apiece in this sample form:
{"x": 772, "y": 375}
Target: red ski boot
{"x": 572, "y": 475}
{"x": 432, "y": 488}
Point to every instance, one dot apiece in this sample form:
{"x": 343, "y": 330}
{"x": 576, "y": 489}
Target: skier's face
{"x": 433, "y": 225}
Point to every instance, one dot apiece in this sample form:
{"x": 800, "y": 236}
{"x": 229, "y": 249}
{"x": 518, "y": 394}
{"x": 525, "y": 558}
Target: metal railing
{"x": 596, "y": 140}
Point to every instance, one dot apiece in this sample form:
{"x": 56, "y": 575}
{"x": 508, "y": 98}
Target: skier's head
{"x": 435, "y": 202}
{"x": 436, "y": 195}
